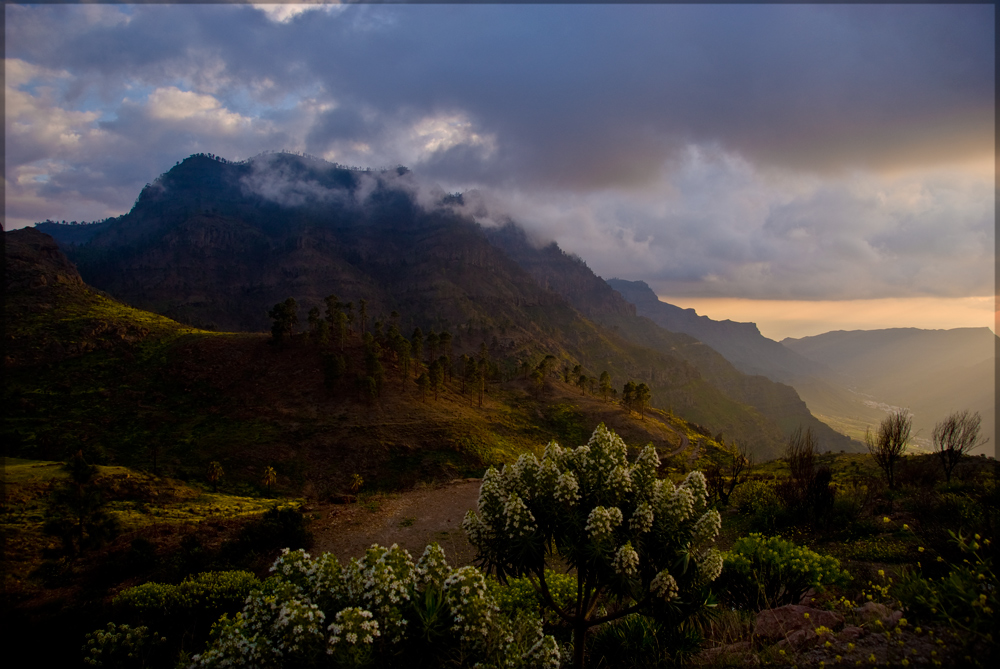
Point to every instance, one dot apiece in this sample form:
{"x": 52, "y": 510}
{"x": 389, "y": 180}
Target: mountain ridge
{"x": 216, "y": 244}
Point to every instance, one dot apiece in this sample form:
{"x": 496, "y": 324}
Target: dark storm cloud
{"x": 591, "y": 96}
{"x": 730, "y": 150}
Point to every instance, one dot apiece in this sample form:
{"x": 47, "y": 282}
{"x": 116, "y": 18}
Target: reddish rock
{"x": 873, "y": 611}
{"x": 781, "y": 622}
{"x": 850, "y": 633}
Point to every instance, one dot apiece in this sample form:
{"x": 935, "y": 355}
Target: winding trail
{"x": 411, "y": 519}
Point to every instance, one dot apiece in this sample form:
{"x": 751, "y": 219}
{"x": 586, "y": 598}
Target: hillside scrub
{"x": 637, "y": 543}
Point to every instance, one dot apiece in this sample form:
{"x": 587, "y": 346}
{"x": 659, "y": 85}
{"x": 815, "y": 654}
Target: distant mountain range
{"x": 216, "y": 244}
{"x": 930, "y": 372}
{"x": 741, "y": 343}
{"x": 851, "y": 379}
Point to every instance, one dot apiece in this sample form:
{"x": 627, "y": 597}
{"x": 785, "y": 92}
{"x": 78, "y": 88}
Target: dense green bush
{"x": 761, "y": 572}
{"x": 519, "y": 595}
{"x": 214, "y": 591}
{"x": 759, "y": 501}
{"x": 966, "y": 598}
{"x": 120, "y": 646}
{"x": 641, "y": 642}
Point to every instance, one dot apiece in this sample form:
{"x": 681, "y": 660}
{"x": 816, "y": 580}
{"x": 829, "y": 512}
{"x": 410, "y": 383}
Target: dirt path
{"x": 411, "y": 519}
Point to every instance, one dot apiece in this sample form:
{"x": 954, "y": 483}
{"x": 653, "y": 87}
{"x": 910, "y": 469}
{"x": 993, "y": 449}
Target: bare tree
{"x": 888, "y": 444}
{"x": 955, "y": 436}
{"x": 723, "y": 479}
{"x": 800, "y": 452}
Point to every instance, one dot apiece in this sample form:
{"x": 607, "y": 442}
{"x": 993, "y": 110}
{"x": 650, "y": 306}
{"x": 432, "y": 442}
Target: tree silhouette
{"x": 444, "y": 340}
{"x": 286, "y": 318}
{"x": 215, "y": 475}
{"x": 431, "y": 342}
{"x": 642, "y": 397}
{"x": 605, "y": 385}
{"x": 888, "y": 444}
{"x": 341, "y": 328}
{"x": 628, "y": 395}
{"x": 76, "y": 511}
{"x": 435, "y": 376}
{"x": 269, "y": 478}
{"x": 423, "y": 383}
{"x": 954, "y": 437}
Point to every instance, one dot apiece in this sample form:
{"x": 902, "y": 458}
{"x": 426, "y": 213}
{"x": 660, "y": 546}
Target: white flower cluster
{"x": 567, "y": 489}
{"x": 645, "y": 469}
{"x": 523, "y": 476}
{"x": 677, "y": 505}
{"x": 519, "y": 520}
{"x": 465, "y": 593}
{"x": 475, "y": 528}
{"x": 696, "y": 483}
{"x": 664, "y": 586}
{"x": 602, "y": 521}
{"x": 620, "y": 480}
{"x": 576, "y": 502}
{"x": 432, "y": 569}
{"x": 526, "y": 644}
{"x": 626, "y": 560}
{"x": 295, "y": 566}
{"x": 383, "y": 580}
{"x": 709, "y": 566}
{"x": 706, "y": 528}
{"x": 282, "y": 624}
{"x": 352, "y": 626}
{"x": 599, "y": 460}
{"x": 642, "y": 518}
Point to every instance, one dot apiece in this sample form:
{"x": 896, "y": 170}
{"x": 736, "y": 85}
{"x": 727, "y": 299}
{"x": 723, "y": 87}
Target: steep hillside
{"x": 777, "y": 402}
{"x": 217, "y": 244}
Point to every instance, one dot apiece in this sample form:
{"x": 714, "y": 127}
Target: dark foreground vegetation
{"x": 821, "y": 562}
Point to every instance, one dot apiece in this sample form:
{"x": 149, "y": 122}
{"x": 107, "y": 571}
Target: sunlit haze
{"x": 779, "y": 319}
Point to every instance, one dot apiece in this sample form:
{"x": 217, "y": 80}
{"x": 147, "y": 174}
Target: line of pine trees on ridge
{"x": 427, "y": 359}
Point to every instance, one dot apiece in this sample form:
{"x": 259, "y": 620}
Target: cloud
{"x": 726, "y": 229}
{"x": 753, "y": 150}
{"x": 286, "y": 12}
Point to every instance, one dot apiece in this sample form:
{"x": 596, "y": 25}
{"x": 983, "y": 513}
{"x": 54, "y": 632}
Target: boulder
{"x": 779, "y": 623}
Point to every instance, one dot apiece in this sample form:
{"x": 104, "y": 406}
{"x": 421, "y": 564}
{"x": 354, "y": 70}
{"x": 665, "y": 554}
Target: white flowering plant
{"x": 381, "y": 610}
{"x": 638, "y": 543}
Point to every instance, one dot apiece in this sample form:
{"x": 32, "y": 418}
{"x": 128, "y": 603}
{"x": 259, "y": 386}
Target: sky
{"x": 805, "y": 167}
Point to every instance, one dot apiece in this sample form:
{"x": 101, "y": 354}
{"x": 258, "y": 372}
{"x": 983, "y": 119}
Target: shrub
{"x": 519, "y": 595}
{"x": 759, "y": 501}
{"x": 640, "y": 642}
{"x": 761, "y": 572}
{"x": 381, "y": 610}
{"x": 966, "y": 598}
{"x": 627, "y": 534}
{"x": 120, "y": 646}
{"x": 214, "y": 590}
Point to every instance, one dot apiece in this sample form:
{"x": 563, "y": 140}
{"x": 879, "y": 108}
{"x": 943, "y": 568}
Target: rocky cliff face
{"x": 35, "y": 262}
{"x": 742, "y": 344}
